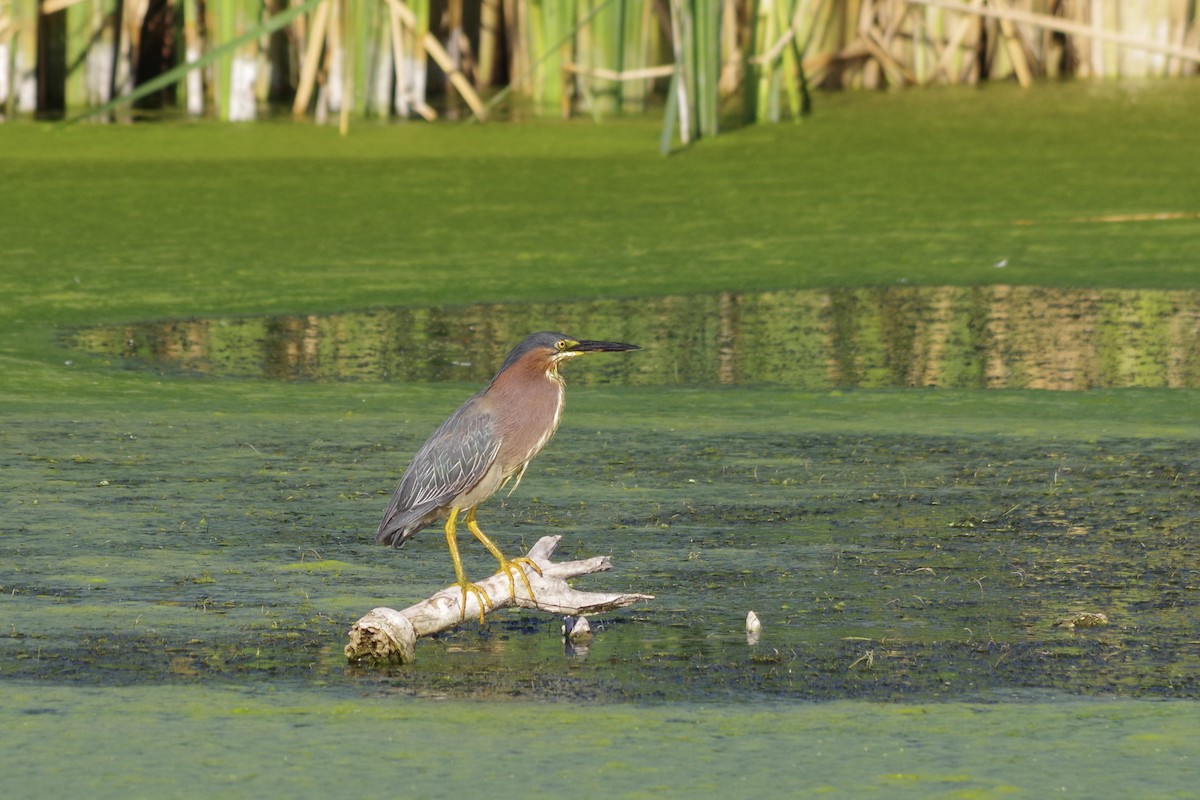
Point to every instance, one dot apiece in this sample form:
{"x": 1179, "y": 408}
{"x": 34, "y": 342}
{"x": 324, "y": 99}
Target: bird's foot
{"x": 485, "y": 602}
{"x": 516, "y": 566}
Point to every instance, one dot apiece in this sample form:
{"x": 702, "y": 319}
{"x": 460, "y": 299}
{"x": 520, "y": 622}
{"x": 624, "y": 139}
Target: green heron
{"x": 483, "y": 445}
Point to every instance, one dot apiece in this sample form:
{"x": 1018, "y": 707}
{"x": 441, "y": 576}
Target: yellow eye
{"x": 561, "y": 344}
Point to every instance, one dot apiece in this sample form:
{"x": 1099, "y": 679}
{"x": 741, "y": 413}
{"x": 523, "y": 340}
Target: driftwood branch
{"x": 385, "y": 635}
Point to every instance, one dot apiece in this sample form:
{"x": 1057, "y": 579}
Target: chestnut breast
{"x": 526, "y": 401}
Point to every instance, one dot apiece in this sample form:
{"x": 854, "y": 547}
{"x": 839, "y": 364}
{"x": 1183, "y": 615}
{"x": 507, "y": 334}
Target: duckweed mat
{"x": 883, "y": 566}
{"x": 197, "y": 742}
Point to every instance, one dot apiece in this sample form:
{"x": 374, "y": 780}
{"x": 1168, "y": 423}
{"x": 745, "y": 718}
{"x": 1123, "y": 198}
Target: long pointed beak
{"x": 589, "y": 346}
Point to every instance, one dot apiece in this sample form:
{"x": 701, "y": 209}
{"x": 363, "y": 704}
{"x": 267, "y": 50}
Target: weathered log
{"x": 388, "y": 636}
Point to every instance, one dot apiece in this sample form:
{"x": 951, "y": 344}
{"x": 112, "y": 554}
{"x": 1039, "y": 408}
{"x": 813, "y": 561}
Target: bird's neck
{"x": 531, "y": 399}
{"x": 531, "y": 383}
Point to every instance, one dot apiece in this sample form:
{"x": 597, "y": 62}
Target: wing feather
{"x": 452, "y": 461}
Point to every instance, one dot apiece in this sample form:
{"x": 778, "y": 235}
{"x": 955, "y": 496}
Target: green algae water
{"x": 195, "y": 452}
{"x": 884, "y": 566}
{"x": 192, "y": 742}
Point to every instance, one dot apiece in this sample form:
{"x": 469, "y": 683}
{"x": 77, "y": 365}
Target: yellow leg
{"x": 485, "y": 602}
{"x": 506, "y": 566}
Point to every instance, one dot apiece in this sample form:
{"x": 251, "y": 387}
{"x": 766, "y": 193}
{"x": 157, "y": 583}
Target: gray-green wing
{"x": 455, "y": 458}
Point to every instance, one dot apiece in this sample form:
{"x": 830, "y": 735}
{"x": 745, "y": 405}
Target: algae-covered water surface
{"x": 884, "y": 566}
{"x": 918, "y": 391}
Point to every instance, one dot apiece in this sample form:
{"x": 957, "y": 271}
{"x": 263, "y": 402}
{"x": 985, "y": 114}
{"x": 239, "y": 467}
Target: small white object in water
{"x": 753, "y": 628}
{"x": 576, "y": 629}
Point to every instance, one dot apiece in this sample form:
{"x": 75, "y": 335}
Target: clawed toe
{"x": 485, "y": 602}
{"x": 516, "y": 565}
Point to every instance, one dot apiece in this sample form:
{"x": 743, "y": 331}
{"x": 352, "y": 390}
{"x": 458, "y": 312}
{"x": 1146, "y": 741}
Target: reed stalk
{"x": 598, "y": 45}
{"x": 348, "y": 66}
{"x": 235, "y": 79}
{"x": 634, "y": 51}
{"x": 415, "y": 71}
{"x": 783, "y": 33}
{"x": 552, "y": 28}
{"x": 707, "y": 71}
{"x": 310, "y": 62}
{"x": 194, "y": 86}
{"x": 695, "y": 30}
{"x": 23, "y": 41}
{"x": 222, "y": 28}
{"x": 329, "y": 93}
{"x": 489, "y": 35}
{"x": 377, "y": 69}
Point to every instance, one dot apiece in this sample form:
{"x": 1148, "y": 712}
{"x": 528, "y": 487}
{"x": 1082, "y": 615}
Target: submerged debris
{"x": 753, "y": 628}
{"x": 577, "y": 636}
{"x": 1083, "y": 619}
{"x": 576, "y": 629}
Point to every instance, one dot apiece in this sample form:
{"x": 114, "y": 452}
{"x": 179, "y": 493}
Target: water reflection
{"x": 962, "y": 337}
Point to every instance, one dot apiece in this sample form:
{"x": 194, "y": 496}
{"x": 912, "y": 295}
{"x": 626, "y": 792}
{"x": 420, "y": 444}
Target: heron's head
{"x": 546, "y": 350}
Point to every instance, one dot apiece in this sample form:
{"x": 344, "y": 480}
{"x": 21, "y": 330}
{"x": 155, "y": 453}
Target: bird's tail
{"x": 397, "y": 527}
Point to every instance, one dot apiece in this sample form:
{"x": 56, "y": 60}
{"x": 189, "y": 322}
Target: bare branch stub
{"x": 385, "y": 635}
